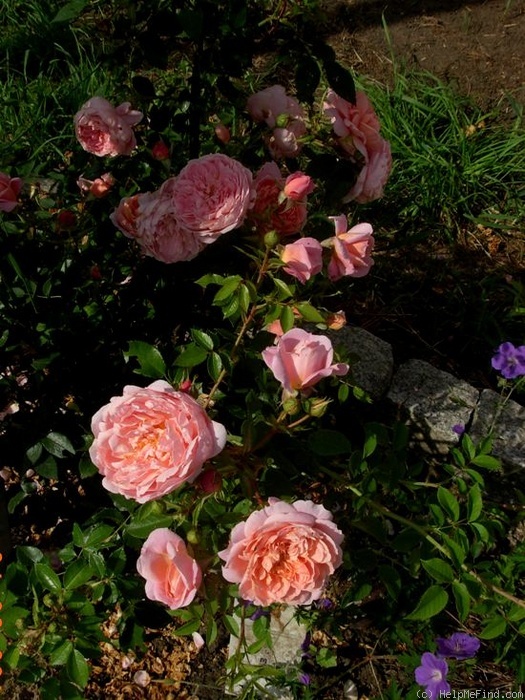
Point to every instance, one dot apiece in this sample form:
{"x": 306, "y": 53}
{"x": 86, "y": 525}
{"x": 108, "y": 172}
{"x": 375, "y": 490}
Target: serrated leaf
{"x": 56, "y": 444}
{"x": 191, "y": 356}
{"x": 231, "y": 308}
{"x": 456, "y": 552}
{"x": 214, "y": 365}
{"x": 211, "y": 632}
{"x": 141, "y": 529}
{"x": 77, "y": 574}
{"x": 60, "y": 654}
{"x": 494, "y": 628}
{"x": 284, "y": 291}
{"x": 462, "y": 599}
{"x": 449, "y": 503}
{"x": 77, "y": 668}
{"x": 34, "y": 452}
{"x": 229, "y": 286}
{"x": 287, "y": 319}
{"x": 69, "y": 11}
{"x": 47, "y": 578}
{"x": 202, "y": 339}
{"x": 212, "y": 278}
{"x": 439, "y": 570}
{"x": 432, "y": 602}
{"x": 150, "y": 360}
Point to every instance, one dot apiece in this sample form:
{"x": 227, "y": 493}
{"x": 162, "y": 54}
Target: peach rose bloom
{"x": 303, "y": 259}
{"x": 126, "y": 215}
{"x": 105, "y": 130}
{"x": 297, "y": 186}
{"x": 99, "y": 187}
{"x": 283, "y": 553}
{"x": 301, "y": 359}
{"x": 9, "y": 190}
{"x": 351, "y": 250}
{"x": 374, "y": 174}
{"x": 172, "y": 576}
{"x": 272, "y": 210}
{"x": 212, "y": 195}
{"x": 150, "y": 441}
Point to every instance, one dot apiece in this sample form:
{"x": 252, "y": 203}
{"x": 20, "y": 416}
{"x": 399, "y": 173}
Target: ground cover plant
{"x": 184, "y": 445}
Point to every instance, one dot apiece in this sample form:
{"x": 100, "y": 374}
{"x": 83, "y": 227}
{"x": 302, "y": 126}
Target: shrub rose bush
{"x": 9, "y": 190}
{"x": 104, "y": 130}
{"x": 151, "y": 440}
{"x": 301, "y": 359}
{"x": 283, "y": 553}
{"x": 172, "y": 576}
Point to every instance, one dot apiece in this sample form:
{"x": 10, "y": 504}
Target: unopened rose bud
{"x": 336, "y": 321}
{"x": 160, "y": 151}
{"x": 271, "y": 239}
{"x": 282, "y": 120}
{"x": 192, "y": 537}
{"x": 210, "y": 481}
{"x": 66, "y": 220}
{"x": 95, "y": 273}
{"x": 185, "y": 386}
{"x": 297, "y": 186}
{"x": 222, "y": 133}
{"x": 317, "y": 407}
{"x": 291, "y": 406}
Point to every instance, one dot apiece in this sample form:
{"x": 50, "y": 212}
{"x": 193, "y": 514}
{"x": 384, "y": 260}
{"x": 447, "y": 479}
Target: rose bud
{"x": 222, "y": 133}
{"x": 160, "y": 151}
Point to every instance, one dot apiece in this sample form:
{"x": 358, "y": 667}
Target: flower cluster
{"x": 510, "y": 360}
{"x": 433, "y": 671}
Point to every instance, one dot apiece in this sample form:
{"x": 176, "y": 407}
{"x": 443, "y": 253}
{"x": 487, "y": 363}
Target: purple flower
{"x": 304, "y": 678}
{"x": 432, "y": 675}
{"x": 459, "y": 429}
{"x": 323, "y": 604}
{"x": 305, "y": 646}
{"x": 510, "y": 360}
{"x": 458, "y": 646}
{"x": 260, "y": 612}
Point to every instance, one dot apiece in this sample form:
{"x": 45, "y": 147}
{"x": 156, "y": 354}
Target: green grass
{"x": 452, "y": 163}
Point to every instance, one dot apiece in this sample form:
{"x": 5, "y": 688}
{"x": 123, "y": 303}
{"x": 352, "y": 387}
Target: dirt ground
{"x": 479, "y": 46}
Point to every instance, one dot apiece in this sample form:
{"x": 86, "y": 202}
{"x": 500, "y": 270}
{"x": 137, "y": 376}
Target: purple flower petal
{"x": 458, "y": 646}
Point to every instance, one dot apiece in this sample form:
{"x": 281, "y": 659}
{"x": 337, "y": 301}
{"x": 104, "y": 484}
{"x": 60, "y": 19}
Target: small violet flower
{"x": 304, "y": 678}
{"x": 459, "y": 429}
{"x": 509, "y": 360}
{"x": 432, "y": 675}
{"x": 458, "y": 646}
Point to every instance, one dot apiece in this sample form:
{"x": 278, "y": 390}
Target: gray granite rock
{"x": 287, "y": 637}
{"x": 374, "y": 363}
{"x": 506, "y": 420}
{"x": 433, "y": 401}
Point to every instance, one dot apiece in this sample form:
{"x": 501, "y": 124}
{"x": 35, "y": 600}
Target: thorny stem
{"x": 246, "y": 324}
{"x": 421, "y": 530}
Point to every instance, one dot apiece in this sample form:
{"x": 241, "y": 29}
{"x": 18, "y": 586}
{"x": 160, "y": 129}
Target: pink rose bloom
{"x": 127, "y": 213}
{"x": 150, "y": 441}
{"x": 297, "y": 186}
{"x": 270, "y": 211}
{"x": 105, "y": 130}
{"x": 172, "y": 576}
{"x": 212, "y": 195}
{"x": 9, "y": 190}
{"x": 283, "y": 553}
{"x": 284, "y": 141}
{"x": 351, "y": 252}
{"x": 303, "y": 258}
{"x": 352, "y": 124}
{"x": 267, "y": 105}
{"x": 98, "y": 187}
{"x": 161, "y": 234}
{"x": 373, "y": 176}
{"x": 301, "y": 359}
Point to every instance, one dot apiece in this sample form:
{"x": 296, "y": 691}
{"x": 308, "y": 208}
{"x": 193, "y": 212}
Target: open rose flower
{"x": 302, "y": 259}
{"x": 212, "y": 195}
{"x": 9, "y": 190}
{"x": 161, "y": 235}
{"x": 357, "y": 127}
{"x": 301, "y": 359}
{"x": 283, "y": 553}
{"x": 151, "y": 440}
{"x": 351, "y": 250}
{"x": 105, "y": 130}
{"x": 172, "y": 576}
{"x": 126, "y": 215}
{"x": 284, "y": 115}
{"x": 99, "y": 187}
{"x": 273, "y": 210}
